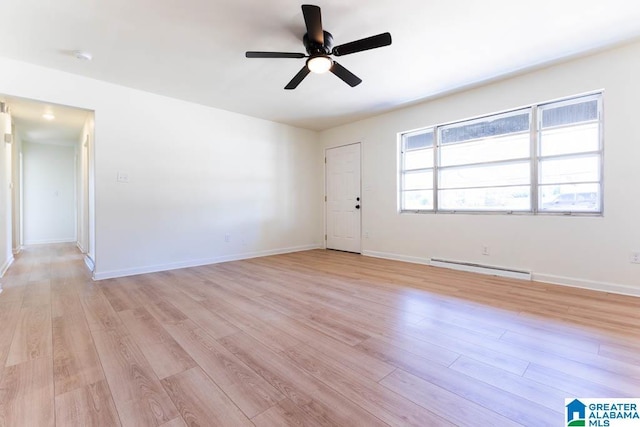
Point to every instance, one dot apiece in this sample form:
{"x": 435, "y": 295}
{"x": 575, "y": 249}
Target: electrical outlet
{"x": 366, "y": 234}
{"x": 634, "y": 258}
{"x": 227, "y": 238}
{"x": 485, "y": 250}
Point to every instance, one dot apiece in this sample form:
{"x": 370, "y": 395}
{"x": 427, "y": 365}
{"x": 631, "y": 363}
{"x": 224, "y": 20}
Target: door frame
{"x": 324, "y": 169}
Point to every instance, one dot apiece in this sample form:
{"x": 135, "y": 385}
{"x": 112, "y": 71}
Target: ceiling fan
{"x": 319, "y": 46}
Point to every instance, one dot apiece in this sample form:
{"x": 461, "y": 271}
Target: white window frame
{"x": 534, "y": 159}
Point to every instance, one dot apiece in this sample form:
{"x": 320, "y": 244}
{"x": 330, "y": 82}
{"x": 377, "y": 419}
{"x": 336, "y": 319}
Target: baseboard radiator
{"x": 482, "y": 269}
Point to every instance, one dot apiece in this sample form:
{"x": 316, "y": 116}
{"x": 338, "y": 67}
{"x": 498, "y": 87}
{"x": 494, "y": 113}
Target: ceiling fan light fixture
{"x": 319, "y": 64}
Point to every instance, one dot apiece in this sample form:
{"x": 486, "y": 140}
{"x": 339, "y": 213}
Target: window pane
{"x": 486, "y": 150}
{"x": 418, "y": 180}
{"x": 486, "y": 199}
{"x": 417, "y": 200}
{"x": 486, "y": 127}
{"x": 573, "y": 113}
{"x": 418, "y": 159}
{"x": 568, "y": 170}
{"x": 570, "y": 198}
{"x": 417, "y": 141}
{"x": 485, "y": 175}
{"x": 574, "y": 139}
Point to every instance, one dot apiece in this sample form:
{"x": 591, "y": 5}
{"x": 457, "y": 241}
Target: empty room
{"x": 333, "y": 214}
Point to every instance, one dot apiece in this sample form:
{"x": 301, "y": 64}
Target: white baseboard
{"x": 49, "y": 241}
{"x": 16, "y": 251}
{"x": 396, "y": 257}
{"x": 82, "y": 250}
{"x": 97, "y": 275}
{"x": 546, "y": 278}
{"x": 89, "y": 262}
{"x": 613, "y": 288}
{"x": 6, "y": 266}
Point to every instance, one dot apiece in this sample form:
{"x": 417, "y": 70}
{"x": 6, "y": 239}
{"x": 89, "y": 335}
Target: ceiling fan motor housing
{"x": 314, "y": 49}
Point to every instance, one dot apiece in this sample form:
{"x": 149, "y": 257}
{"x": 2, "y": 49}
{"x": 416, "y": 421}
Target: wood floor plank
{"x": 32, "y": 336}
{"x": 156, "y": 296}
{"x": 376, "y": 347}
{"x": 64, "y": 301}
{"x": 247, "y": 389}
{"x": 37, "y": 294}
{"x": 121, "y": 294}
{"x": 339, "y": 328}
{"x": 165, "y": 312}
{"x": 215, "y": 325}
{"x": 306, "y": 392}
{"x": 137, "y": 393}
{"x": 620, "y": 352}
{"x": 285, "y": 414}
{"x": 442, "y": 402}
{"x": 533, "y": 350}
{"x": 26, "y": 394}
{"x": 423, "y": 344}
{"x": 474, "y": 391}
{"x": 354, "y": 358}
{"x": 11, "y": 293}
{"x": 98, "y": 311}
{"x": 590, "y": 358}
{"x": 272, "y": 337}
{"x": 163, "y": 353}
{"x": 550, "y": 397}
{"x": 376, "y": 399}
{"x": 9, "y": 317}
{"x": 75, "y": 359}
{"x": 573, "y": 385}
{"x": 176, "y": 422}
{"x": 90, "y": 405}
{"x": 201, "y": 402}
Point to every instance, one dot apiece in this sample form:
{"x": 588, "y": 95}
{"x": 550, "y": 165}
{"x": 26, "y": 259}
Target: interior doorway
{"x": 51, "y": 174}
{"x": 343, "y": 198}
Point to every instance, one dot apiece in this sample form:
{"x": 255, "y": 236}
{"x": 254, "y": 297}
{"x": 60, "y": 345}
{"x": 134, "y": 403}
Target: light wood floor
{"x": 311, "y": 338}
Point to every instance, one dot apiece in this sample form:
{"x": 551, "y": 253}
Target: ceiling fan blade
{"x": 298, "y": 78}
{"x": 313, "y": 21}
{"x": 372, "y": 42}
{"x": 347, "y": 76}
{"x": 252, "y": 54}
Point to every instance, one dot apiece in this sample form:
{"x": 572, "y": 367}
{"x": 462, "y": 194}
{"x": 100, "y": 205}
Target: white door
{"x": 343, "y": 198}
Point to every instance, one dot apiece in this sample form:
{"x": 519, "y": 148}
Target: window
{"x": 544, "y": 158}
{"x": 570, "y": 156}
{"x": 417, "y": 171}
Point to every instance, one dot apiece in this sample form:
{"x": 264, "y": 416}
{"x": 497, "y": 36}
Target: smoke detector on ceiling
{"x": 82, "y": 55}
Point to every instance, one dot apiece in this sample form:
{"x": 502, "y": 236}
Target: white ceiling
{"x": 64, "y": 129}
{"x": 194, "y": 49}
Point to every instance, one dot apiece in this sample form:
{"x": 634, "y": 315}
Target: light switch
{"x": 122, "y": 176}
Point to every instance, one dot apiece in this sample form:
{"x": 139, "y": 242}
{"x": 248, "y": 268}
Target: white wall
{"x": 195, "y": 174}
{"x": 16, "y": 153}
{"x": 6, "y": 254}
{"x": 83, "y": 150}
{"x": 49, "y": 193}
{"x": 581, "y": 251}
